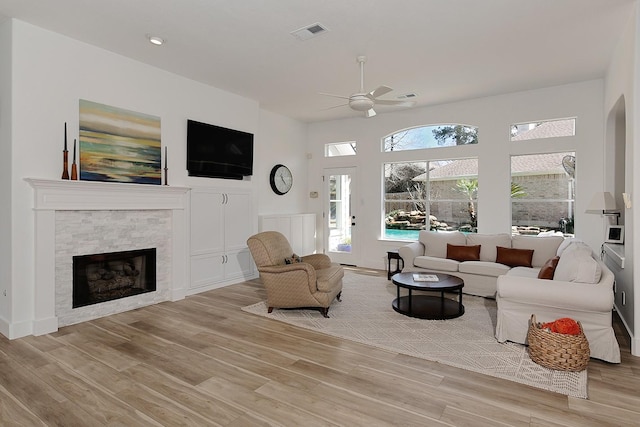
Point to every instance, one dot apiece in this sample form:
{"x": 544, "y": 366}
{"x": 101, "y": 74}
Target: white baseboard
{"x": 635, "y": 342}
{"x": 45, "y": 326}
{"x": 4, "y": 327}
{"x": 15, "y": 330}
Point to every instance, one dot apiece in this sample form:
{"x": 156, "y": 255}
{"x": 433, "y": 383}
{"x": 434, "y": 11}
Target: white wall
{"x": 493, "y": 116}
{"x": 283, "y": 141}
{"x": 623, "y": 85}
{"x": 5, "y": 171}
{"x": 51, "y": 73}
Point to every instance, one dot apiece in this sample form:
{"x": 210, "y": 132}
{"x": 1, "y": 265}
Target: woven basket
{"x": 558, "y": 351}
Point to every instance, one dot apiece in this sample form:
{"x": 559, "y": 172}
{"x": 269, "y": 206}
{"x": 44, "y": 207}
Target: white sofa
{"x": 582, "y": 289}
{"x": 480, "y": 277}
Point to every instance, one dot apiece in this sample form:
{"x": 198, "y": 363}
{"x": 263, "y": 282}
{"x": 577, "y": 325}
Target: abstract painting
{"x": 119, "y": 145}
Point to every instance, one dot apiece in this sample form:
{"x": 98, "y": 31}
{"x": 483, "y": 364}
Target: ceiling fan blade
{"x": 380, "y": 91}
{"x": 369, "y": 113}
{"x": 333, "y": 95}
{"x": 395, "y": 103}
{"x": 335, "y": 106}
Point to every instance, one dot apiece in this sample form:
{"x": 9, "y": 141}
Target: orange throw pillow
{"x": 514, "y": 257}
{"x": 463, "y": 252}
{"x": 549, "y": 268}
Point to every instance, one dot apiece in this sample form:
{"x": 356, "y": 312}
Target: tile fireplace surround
{"x": 64, "y": 208}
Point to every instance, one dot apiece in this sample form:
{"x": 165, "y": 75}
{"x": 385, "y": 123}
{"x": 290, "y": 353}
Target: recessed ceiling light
{"x": 158, "y": 41}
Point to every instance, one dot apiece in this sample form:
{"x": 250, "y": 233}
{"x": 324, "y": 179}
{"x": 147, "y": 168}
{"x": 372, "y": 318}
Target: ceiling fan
{"x": 365, "y": 101}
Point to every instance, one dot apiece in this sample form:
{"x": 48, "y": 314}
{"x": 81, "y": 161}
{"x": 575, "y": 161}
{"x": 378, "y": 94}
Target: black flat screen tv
{"x": 218, "y": 152}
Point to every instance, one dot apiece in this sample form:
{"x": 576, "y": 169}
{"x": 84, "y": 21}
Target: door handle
{"x": 353, "y": 220}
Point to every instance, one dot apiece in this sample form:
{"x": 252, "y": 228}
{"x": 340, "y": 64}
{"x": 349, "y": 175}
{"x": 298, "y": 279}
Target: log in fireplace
{"x": 104, "y": 277}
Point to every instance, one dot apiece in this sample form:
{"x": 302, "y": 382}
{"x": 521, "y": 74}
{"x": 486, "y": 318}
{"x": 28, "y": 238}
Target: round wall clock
{"x": 281, "y": 179}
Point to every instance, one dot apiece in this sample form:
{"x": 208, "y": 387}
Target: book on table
{"x": 422, "y": 277}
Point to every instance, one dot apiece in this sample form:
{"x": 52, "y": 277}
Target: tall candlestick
{"x": 166, "y": 169}
{"x": 65, "y": 156}
{"x": 74, "y": 167}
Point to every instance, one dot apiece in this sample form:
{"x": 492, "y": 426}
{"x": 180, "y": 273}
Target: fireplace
{"x": 103, "y": 277}
{"x": 75, "y": 218}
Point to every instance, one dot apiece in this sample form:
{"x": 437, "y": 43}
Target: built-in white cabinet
{"x": 299, "y": 229}
{"x": 221, "y": 222}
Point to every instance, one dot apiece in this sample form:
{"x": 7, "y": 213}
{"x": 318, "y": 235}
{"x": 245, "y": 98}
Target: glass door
{"x": 339, "y": 215}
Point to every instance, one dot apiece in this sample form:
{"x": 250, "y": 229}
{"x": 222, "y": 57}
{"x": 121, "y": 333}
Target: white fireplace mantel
{"x": 63, "y": 195}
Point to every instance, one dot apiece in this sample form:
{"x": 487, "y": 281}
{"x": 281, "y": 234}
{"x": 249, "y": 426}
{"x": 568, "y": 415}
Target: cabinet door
{"x": 238, "y": 264}
{"x": 207, "y": 221}
{"x": 207, "y": 269}
{"x": 238, "y": 214}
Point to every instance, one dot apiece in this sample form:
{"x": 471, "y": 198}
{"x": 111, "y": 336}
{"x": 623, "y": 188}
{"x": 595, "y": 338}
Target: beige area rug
{"x": 365, "y": 315}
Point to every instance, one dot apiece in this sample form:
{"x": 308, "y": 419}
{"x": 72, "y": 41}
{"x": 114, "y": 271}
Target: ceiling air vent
{"x": 309, "y": 31}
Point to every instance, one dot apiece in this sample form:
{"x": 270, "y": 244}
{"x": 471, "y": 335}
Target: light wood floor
{"x": 204, "y": 362}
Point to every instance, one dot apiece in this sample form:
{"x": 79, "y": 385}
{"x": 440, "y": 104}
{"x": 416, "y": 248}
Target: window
{"x": 336, "y": 149}
{"x": 543, "y": 193}
{"x": 434, "y": 195}
{"x": 431, "y": 137}
{"x": 544, "y": 129}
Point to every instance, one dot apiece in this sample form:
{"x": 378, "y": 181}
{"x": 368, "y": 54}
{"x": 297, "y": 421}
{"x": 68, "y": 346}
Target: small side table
{"x": 399, "y": 263}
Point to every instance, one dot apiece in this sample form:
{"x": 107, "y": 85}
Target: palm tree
{"x": 470, "y": 188}
{"x": 517, "y": 191}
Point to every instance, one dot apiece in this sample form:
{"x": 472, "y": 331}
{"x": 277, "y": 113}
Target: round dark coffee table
{"x": 428, "y": 306}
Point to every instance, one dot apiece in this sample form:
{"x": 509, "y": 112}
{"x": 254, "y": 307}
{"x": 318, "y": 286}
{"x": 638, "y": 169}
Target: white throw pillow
{"x": 565, "y": 244}
{"x": 577, "y": 265}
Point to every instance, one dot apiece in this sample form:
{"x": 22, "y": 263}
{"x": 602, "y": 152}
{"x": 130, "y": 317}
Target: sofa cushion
{"x": 544, "y": 247}
{"x": 435, "y": 242}
{"x": 436, "y": 263}
{"x": 463, "y": 252}
{"x": 528, "y": 272}
{"x": 483, "y": 268}
{"x": 577, "y": 265}
{"x": 488, "y": 243}
{"x": 549, "y": 268}
{"x": 514, "y": 257}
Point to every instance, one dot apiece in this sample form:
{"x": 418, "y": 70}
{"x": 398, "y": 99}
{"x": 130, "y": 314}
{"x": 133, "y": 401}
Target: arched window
{"x": 417, "y": 138}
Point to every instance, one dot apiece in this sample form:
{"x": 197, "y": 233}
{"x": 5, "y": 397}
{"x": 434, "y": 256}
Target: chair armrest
{"x": 318, "y": 261}
{"x": 410, "y": 252}
{"x": 285, "y": 268}
{"x": 297, "y": 274}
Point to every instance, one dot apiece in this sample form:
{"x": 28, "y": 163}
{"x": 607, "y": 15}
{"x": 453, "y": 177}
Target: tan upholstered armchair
{"x": 312, "y": 283}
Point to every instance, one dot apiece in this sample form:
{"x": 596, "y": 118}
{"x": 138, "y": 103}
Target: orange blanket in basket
{"x": 564, "y": 325}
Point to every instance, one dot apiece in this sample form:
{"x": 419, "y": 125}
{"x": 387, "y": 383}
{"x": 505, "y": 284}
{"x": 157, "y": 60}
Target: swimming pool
{"x": 395, "y": 234}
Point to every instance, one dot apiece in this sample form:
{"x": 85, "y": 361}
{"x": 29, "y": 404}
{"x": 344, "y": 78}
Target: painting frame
{"x": 119, "y": 145}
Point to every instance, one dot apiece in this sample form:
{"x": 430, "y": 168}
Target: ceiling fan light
{"x": 361, "y": 103}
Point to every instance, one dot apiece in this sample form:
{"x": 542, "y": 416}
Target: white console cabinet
{"x": 221, "y": 223}
{"x": 299, "y": 229}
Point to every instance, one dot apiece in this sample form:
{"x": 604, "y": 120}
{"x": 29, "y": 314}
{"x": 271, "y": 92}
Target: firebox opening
{"x": 104, "y": 277}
